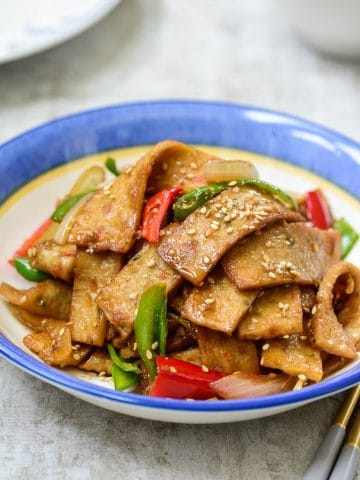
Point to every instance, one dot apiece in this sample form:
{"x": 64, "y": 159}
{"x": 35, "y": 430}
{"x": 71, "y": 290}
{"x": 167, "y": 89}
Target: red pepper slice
{"x": 30, "y": 241}
{"x": 179, "y": 379}
{"x": 155, "y": 212}
{"x": 317, "y": 210}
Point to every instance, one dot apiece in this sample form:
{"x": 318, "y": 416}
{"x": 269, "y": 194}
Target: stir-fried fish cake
{"x": 187, "y": 276}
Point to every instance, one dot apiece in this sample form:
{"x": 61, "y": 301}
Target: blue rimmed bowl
{"x": 37, "y": 167}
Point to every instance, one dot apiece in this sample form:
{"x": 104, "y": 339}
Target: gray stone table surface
{"x": 233, "y": 50}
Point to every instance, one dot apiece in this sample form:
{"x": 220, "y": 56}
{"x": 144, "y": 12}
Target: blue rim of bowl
{"x": 56, "y": 377}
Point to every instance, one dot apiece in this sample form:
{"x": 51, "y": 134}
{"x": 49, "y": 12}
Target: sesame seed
{"x": 182, "y": 170}
{"x": 303, "y": 337}
{"x": 133, "y": 295}
{"x": 227, "y": 218}
{"x": 151, "y": 263}
{"x": 211, "y": 280}
{"x": 203, "y": 210}
{"x": 53, "y": 343}
{"x": 204, "y": 368}
{"x": 172, "y": 369}
{"x": 128, "y": 170}
{"x": 268, "y": 243}
{"x": 43, "y": 322}
{"x": 23, "y": 299}
{"x": 218, "y": 215}
{"x": 209, "y": 301}
{"x": 262, "y": 362}
{"x": 266, "y": 346}
{"x": 190, "y": 175}
{"x": 61, "y": 332}
{"x": 236, "y": 189}
{"x": 171, "y": 252}
{"x": 271, "y": 274}
{"x": 206, "y": 260}
{"x": 286, "y": 336}
{"x": 155, "y": 345}
{"x": 191, "y": 231}
{"x": 193, "y": 165}
{"x": 232, "y": 183}
{"x": 32, "y": 252}
{"x": 77, "y": 356}
{"x": 302, "y": 377}
{"x": 208, "y": 232}
{"x": 135, "y": 346}
{"x": 102, "y": 373}
{"x": 214, "y": 226}
{"x": 215, "y": 222}
{"x": 314, "y": 309}
{"x": 149, "y": 355}
{"x": 281, "y": 305}
{"x": 229, "y": 230}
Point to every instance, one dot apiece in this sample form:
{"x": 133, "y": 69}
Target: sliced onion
{"x": 249, "y": 385}
{"x": 223, "y": 170}
{"x": 88, "y": 180}
{"x": 62, "y": 233}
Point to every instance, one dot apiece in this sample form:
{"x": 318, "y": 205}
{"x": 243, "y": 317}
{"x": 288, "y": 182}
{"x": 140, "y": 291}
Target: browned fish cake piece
{"x": 120, "y": 299}
{"x": 227, "y": 353}
{"x": 276, "y": 312}
{"x": 282, "y": 254}
{"x": 294, "y": 356}
{"x": 180, "y": 165}
{"x": 329, "y": 333}
{"x": 99, "y": 361}
{"x": 49, "y": 298}
{"x": 92, "y": 272}
{"x": 218, "y": 304}
{"x": 109, "y": 220}
{"x": 195, "y": 246}
{"x": 58, "y": 260}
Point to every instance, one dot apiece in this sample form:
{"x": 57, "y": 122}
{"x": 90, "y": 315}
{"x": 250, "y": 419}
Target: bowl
{"x": 37, "y": 167}
{"x": 329, "y": 25}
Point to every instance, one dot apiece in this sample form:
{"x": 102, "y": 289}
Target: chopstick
{"x": 324, "y": 458}
{"x": 347, "y": 461}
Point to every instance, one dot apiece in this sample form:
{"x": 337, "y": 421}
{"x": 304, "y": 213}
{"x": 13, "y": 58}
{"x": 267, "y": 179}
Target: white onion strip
{"x": 88, "y": 180}
{"x": 248, "y": 385}
{"x": 227, "y": 170}
{"x": 62, "y": 233}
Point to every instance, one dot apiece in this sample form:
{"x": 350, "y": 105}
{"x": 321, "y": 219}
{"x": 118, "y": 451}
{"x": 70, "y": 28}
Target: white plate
{"x": 18, "y": 211}
{"x": 30, "y": 26}
{"x": 301, "y": 145}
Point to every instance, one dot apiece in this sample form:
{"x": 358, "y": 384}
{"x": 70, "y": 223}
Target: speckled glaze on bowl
{"x": 309, "y": 155}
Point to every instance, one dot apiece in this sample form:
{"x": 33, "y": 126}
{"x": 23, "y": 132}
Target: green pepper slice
{"x": 24, "y": 268}
{"x": 160, "y": 325}
{"x": 349, "y": 236}
{"x": 151, "y": 326}
{"x": 110, "y": 164}
{"x": 125, "y": 366}
{"x": 67, "y": 205}
{"x": 194, "y": 199}
{"x": 123, "y": 380}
